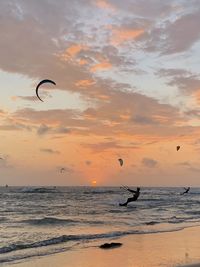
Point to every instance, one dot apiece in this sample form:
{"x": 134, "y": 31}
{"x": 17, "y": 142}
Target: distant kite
{"x": 62, "y": 170}
{"x": 40, "y": 83}
{"x": 121, "y": 162}
{"x": 177, "y": 148}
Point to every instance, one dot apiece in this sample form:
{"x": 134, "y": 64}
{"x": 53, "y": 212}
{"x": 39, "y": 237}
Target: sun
{"x": 94, "y": 182}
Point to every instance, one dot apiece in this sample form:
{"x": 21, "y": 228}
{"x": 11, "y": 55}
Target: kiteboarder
{"x": 131, "y": 199}
{"x": 186, "y": 191}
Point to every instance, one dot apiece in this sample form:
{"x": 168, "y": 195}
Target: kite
{"x": 121, "y": 162}
{"x": 40, "y": 83}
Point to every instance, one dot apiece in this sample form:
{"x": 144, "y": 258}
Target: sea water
{"x": 41, "y": 221}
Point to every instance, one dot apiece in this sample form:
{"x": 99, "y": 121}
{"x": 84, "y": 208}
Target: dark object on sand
{"x": 110, "y": 245}
{"x": 40, "y": 83}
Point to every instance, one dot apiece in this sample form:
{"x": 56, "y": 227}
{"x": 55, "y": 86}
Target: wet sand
{"x": 180, "y": 248}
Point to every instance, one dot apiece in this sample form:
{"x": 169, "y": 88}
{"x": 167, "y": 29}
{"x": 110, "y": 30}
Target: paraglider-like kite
{"x": 62, "y": 170}
{"x": 39, "y": 84}
{"x": 121, "y": 162}
{"x": 177, "y": 148}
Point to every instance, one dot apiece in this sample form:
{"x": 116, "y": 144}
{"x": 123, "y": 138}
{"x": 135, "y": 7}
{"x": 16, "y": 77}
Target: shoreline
{"x": 170, "y": 249}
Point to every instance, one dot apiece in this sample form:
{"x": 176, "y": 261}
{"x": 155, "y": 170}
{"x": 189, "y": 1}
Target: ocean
{"x": 41, "y": 221}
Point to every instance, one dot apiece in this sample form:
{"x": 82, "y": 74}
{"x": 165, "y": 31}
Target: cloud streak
{"x": 49, "y": 151}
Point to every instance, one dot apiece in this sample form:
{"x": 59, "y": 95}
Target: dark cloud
{"x": 185, "y": 164}
{"x": 43, "y": 129}
{"x": 49, "y": 151}
{"x": 14, "y": 127}
{"x": 193, "y": 113}
{"x": 189, "y": 166}
{"x": 184, "y": 80}
{"x": 27, "y": 98}
{"x": 183, "y": 33}
{"x": 144, "y": 120}
{"x": 150, "y": 163}
{"x": 175, "y": 35}
{"x": 88, "y": 162}
{"x": 104, "y": 146}
{"x": 44, "y": 94}
{"x": 194, "y": 169}
{"x": 63, "y": 130}
{"x": 150, "y": 9}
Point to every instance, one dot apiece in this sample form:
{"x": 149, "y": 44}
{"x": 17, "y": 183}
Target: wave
{"x": 100, "y": 192}
{"x": 3, "y": 219}
{"x": 39, "y": 190}
{"x": 152, "y": 223}
{"x": 57, "y": 221}
{"x": 37, "y": 254}
{"x": 176, "y": 221}
{"x": 67, "y": 238}
{"x": 49, "y": 220}
{"x": 193, "y": 212}
{"x": 116, "y": 211}
{"x": 127, "y": 210}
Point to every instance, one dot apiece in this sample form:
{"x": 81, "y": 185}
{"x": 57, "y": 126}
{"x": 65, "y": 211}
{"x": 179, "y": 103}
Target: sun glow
{"x": 94, "y": 182}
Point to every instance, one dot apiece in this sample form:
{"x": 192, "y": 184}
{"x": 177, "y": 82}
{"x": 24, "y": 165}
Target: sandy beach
{"x": 180, "y": 248}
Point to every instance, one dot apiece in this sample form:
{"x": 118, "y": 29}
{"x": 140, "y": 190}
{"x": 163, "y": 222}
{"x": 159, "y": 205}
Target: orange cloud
{"x": 103, "y": 97}
{"x": 72, "y": 51}
{"x": 14, "y": 98}
{"x": 125, "y": 117}
{"x": 84, "y": 83}
{"x": 161, "y": 119}
{"x": 83, "y": 62}
{"x": 121, "y": 35}
{"x": 103, "y": 4}
{"x": 101, "y": 66}
{"x": 2, "y": 113}
{"x": 197, "y": 96}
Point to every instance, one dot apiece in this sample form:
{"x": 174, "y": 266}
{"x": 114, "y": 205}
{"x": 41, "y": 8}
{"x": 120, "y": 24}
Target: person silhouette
{"x": 186, "y": 191}
{"x": 131, "y": 199}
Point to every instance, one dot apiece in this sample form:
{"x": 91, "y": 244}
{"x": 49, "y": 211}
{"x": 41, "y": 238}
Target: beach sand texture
{"x": 179, "y": 248}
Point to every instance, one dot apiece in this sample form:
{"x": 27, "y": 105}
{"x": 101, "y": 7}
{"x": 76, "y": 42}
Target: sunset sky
{"x": 127, "y": 79}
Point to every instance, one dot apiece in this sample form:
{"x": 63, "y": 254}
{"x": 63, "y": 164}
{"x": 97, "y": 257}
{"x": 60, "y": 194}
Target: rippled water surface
{"x": 41, "y": 221}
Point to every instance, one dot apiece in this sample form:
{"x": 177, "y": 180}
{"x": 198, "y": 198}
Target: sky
{"x": 127, "y": 86}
